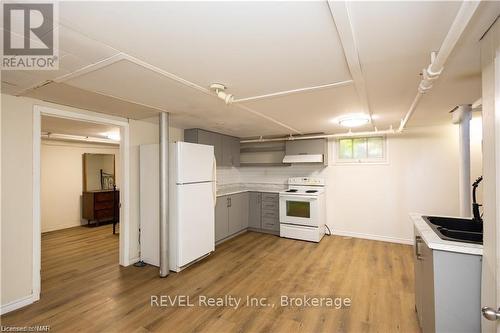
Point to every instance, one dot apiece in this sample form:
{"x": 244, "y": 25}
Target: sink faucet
{"x": 475, "y": 205}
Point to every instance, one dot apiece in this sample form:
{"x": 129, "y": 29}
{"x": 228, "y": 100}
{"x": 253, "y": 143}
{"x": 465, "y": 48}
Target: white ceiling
{"x": 257, "y": 48}
{"x": 75, "y": 127}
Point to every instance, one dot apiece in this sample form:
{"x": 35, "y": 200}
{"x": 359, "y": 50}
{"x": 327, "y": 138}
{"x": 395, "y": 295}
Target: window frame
{"x": 363, "y": 161}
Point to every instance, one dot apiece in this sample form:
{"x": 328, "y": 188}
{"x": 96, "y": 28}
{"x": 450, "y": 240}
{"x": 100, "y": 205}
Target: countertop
{"x": 434, "y": 242}
{"x": 229, "y": 189}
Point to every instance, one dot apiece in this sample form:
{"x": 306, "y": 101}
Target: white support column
{"x": 462, "y": 116}
{"x": 164, "y": 244}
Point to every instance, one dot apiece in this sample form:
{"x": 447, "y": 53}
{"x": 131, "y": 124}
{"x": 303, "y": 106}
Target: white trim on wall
{"x": 373, "y": 237}
{"x": 124, "y": 256}
{"x": 93, "y": 117}
{"x": 18, "y": 303}
{"x": 37, "y": 219}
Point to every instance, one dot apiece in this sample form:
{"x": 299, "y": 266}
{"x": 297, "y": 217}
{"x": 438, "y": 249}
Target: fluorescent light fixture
{"x": 353, "y": 120}
{"x": 115, "y": 136}
{"x": 68, "y": 137}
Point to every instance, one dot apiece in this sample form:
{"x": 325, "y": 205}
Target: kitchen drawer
{"x": 270, "y": 197}
{"x": 270, "y": 213}
{"x": 270, "y": 223}
{"x": 270, "y": 205}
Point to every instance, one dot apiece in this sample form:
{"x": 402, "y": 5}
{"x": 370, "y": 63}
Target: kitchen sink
{"x": 456, "y": 229}
{"x": 473, "y": 237}
{"x": 455, "y": 223}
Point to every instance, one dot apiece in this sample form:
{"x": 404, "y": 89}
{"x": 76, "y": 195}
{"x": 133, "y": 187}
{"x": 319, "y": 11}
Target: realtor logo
{"x": 30, "y": 39}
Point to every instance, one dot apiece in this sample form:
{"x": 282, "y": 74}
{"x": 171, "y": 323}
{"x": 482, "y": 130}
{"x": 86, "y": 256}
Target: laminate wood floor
{"x": 84, "y": 288}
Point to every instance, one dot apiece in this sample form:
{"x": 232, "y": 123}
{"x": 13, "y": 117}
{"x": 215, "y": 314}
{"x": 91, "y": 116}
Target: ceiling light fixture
{"x": 113, "y": 136}
{"x": 353, "y": 120}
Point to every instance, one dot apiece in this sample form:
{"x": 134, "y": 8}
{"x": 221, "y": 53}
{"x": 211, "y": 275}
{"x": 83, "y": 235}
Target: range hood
{"x": 303, "y": 158}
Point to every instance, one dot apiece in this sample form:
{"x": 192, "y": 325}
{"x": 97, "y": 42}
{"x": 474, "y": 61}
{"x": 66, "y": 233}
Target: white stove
{"x": 305, "y": 186}
{"x": 303, "y": 210}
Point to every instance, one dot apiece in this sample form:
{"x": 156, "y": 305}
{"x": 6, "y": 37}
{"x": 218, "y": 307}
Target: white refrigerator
{"x": 192, "y": 203}
{"x": 192, "y": 193}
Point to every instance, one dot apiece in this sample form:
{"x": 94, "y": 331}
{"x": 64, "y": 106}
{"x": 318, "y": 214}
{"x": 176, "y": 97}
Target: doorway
{"x": 105, "y": 179}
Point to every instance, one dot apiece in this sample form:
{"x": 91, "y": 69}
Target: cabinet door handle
{"x": 418, "y": 240}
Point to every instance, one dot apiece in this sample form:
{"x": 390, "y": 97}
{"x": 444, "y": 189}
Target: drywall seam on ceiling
{"x": 246, "y": 108}
{"x": 123, "y": 56}
{"x": 293, "y": 91}
{"x": 342, "y": 21}
{"x": 101, "y": 94}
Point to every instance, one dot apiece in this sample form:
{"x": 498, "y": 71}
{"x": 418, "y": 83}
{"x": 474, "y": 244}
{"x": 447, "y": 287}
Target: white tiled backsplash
{"x": 227, "y": 175}
{"x": 266, "y": 175}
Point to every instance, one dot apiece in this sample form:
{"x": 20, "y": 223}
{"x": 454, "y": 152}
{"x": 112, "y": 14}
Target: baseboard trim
{"x": 230, "y": 237}
{"x": 373, "y": 237}
{"x": 17, "y": 304}
{"x": 133, "y": 261}
{"x": 60, "y": 227}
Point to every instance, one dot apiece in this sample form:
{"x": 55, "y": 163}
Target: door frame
{"x": 124, "y": 225}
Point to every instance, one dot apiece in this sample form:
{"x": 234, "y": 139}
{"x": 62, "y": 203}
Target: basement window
{"x": 362, "y": 150}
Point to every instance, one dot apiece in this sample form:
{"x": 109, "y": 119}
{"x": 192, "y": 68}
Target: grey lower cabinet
{"x": 263, "y": 213}
{"x": 231, "y": 215}
{"x": 226, "y": 148}
{"x": 270, "y": 212}
{"x": 238, "y": 212}
{"x": 222, "y": 218}
{"x": 254, "y": 210}
{"x": 257, "y": 211}
{"x": 447, "y": 289}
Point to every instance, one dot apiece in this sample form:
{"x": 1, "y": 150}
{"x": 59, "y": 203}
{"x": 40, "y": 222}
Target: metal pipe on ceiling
{"x": 325, "y": 136}
{"x": 435, "y": 68}
{"x": 429, "y": 75}
{"x": 462, "y": 116}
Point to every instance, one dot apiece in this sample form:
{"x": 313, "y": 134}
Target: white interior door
{"x": 490, "y": 63}
{"x": 196, "y": 221}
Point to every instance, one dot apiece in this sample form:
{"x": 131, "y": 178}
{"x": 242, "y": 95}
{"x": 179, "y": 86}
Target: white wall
{"x": 141, "y": 132}
{"x": 62, "y": 181}
{"x": 373, "y": 201}
{"x": 17, "y": 199}
{"x": 490, "y": 67}
{"x": 17, "y": 191}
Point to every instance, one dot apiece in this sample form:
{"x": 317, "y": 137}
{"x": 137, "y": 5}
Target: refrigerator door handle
{"x": 214, "y": 179}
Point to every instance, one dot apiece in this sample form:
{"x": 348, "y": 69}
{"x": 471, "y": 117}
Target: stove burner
{"x": 291, "y": 191}
{"x": 311, "y": 191}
